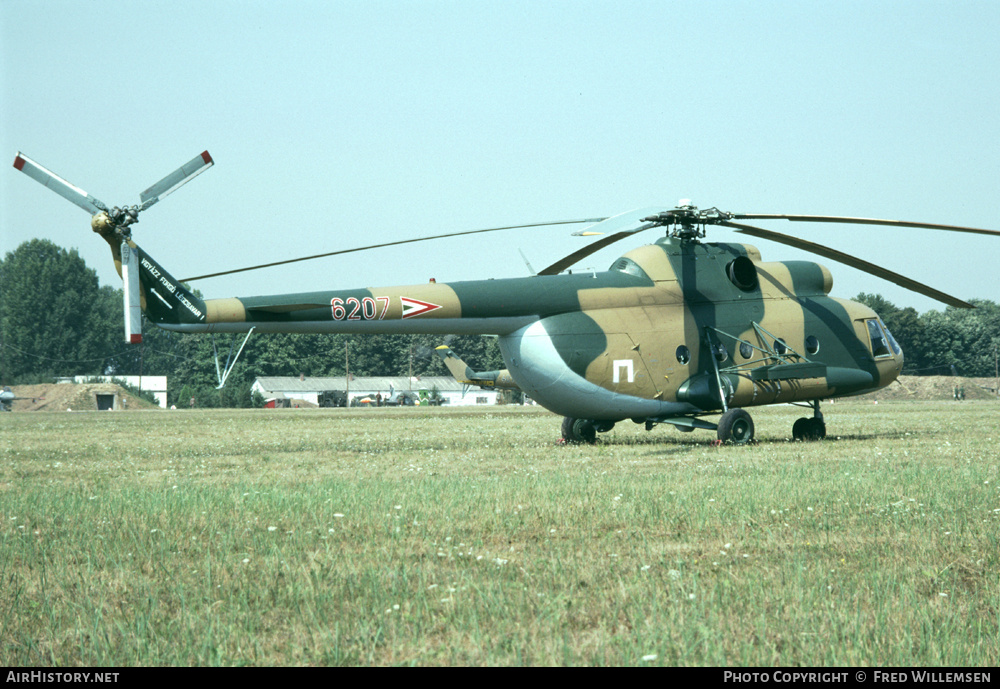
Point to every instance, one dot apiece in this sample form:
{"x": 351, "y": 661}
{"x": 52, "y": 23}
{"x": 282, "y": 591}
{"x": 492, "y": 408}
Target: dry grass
{"x": 448, "y": 536}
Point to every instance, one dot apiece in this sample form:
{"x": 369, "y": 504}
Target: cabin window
{"x": 683, "y": 354}
{"x": 746, "y": 350}
{"x": 721, "y": 353}
{"x": 780, "y": 347}
{"x": 879, "y": 342}
{"x": 812, "y": 345}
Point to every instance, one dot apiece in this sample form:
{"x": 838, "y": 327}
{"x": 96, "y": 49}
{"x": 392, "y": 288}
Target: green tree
{"x": 936, "y": 341}
{"x": 54, "y": 318}
{"x": 879, "y": 304}
{"x": 963, "y": 338}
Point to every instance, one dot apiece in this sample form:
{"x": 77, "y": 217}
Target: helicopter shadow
{"x": 661, "y": 446}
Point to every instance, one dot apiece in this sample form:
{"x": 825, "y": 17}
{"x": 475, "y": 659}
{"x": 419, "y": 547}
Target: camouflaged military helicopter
{"x": 673, "y": 332}
{"x": 7, "y": 398}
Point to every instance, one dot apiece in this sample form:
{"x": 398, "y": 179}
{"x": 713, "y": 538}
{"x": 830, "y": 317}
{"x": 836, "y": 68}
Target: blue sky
{"x": 339, "y": 124}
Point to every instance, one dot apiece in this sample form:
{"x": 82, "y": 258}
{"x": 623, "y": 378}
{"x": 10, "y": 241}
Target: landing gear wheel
{"x": 579, "y": 431}
{"x": 809, "y": 429}
{"x": 817, "y": 429}
{"x": 736, "y": 427}
{"x": 799, "y": 429}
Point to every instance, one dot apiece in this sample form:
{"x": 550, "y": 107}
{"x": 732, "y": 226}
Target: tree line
{"x": 56, "y": 320}
{"x": 962, "y": 342}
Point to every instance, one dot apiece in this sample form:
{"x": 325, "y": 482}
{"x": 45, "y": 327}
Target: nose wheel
{"x": 807, "y": 429}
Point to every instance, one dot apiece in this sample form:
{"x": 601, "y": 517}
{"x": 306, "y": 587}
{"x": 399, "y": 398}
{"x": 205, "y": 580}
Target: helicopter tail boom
{"x": 485, "y": 307}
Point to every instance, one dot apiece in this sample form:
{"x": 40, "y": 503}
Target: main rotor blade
{"x": 616, "y": 223}
{"x": 68, "y": 191}
{"x": 613, "y": 224}
{"x": 379, "y": 246}
{"x": 567, "y": 261}
{"x": 852, "y": 261}
{"x": 863, "y": 221}
{"x": 176, "y": 179}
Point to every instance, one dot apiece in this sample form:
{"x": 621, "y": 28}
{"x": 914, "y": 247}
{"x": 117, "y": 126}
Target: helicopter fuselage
{"x": 676, "y": 328}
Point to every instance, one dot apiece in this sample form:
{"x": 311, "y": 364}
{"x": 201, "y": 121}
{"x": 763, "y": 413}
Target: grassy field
{"x": 449, "y": 536}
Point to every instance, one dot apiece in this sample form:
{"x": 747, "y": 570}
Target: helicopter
{"x": 464, "y": 374}
{"x": 7, "y": 397}
{"x": 674, "y": 332}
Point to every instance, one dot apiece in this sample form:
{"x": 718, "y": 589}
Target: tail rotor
{"x": 118, "y": 219}
{"x": 114, "y": 224}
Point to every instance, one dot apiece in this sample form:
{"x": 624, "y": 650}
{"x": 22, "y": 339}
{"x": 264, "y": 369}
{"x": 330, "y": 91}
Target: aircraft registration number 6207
{"x": 354, "y": 309}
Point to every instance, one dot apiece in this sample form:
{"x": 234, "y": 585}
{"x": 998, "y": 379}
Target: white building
{"x": 308, "y": 388}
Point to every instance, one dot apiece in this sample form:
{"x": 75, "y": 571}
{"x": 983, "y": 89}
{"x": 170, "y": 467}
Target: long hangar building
{"x": 309, "y": 389}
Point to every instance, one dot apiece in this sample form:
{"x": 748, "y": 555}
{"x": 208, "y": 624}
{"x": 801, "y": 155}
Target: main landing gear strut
{"x": 735, "y": 427}
{"x": 810, "y": 429}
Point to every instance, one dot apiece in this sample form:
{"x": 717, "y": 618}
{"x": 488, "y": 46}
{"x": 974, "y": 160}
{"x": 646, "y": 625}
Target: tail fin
{"x": 162, "y": 297}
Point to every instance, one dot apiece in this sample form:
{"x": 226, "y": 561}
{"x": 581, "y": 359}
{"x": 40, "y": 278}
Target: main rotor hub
{"x": 686, "y": 222}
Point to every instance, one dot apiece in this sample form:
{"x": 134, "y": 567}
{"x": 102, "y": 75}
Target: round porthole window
{"x": 779, "y": 346}
{"x": 812, "y": 344}
{"x": 746, "y": 350}
{"x": 683, "y": 354}
{"x": 742, "y": 273}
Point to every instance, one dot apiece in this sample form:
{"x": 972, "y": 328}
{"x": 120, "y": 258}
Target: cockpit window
{"x": 879, "y": 341}
{"x": 627, "y": 265}
{"x": 892, "y": 340}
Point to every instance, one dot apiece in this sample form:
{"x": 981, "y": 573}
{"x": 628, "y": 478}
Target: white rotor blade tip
{"x": 68, "y": 191}
{"x": 176, "y": 179}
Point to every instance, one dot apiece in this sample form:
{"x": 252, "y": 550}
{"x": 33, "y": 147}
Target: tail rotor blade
{"x": 68, "y": 191}
{"x": 176, "y": 179}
